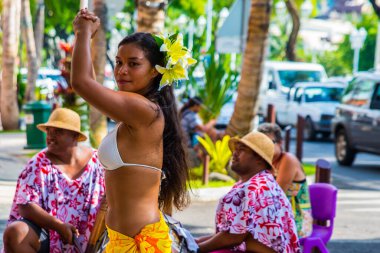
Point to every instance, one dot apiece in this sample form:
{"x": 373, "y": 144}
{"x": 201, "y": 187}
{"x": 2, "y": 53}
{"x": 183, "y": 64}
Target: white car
{"x": 47, "y": 80}
{"x": 316, "y": 102}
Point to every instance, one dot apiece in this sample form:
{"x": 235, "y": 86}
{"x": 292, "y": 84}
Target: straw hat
{"x": 258, "y": 142}
{"x": 65, "y": 119}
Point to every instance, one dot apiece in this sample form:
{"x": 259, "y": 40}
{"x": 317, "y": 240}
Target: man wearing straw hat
{"x": 255, "y": 216}
{"x": 58, "y": 193}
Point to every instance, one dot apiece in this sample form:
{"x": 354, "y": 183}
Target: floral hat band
{"x": 177, "y": 59}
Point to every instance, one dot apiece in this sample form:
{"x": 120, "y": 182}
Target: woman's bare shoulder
{"x": 289, "y": 158}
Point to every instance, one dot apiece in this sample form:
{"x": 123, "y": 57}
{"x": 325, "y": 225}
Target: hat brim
{"x": 81, "y": 136}
{"x": 232, "y": 143}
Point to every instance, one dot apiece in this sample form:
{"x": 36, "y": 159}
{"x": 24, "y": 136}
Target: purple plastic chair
{"x": 323, "y": 199}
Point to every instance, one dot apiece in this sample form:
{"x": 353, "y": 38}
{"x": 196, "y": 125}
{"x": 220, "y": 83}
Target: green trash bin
{"x": 36, "y": 112}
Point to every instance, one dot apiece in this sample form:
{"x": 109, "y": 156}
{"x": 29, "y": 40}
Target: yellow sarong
{"x": 153, "y": 238}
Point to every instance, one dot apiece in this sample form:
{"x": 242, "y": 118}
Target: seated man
{"x": 255, "y": 216}
{"x": 58, "y": 193}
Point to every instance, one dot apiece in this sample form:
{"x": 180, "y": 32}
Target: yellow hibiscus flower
{"x": 171, "y": 74}
{"x": 175, "y": 50}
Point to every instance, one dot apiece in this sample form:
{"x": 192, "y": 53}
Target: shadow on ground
{"x": 351, "y": 246}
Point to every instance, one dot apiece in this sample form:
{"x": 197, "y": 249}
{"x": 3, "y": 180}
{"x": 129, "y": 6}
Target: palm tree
{"x": 28, "y": 37}
{"x": 39, "y": 29}
{"x": 8, "y": 97}
{"x": 98, "y": 122}
{"x": 249, "y": 86}
{"x": 150, "y": 15}
{"x": 291, "y": 44}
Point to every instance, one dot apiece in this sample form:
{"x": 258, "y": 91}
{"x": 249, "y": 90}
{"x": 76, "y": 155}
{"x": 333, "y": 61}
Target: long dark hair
{"x": 190, "y": 103}
{"x": 173, "y": 188}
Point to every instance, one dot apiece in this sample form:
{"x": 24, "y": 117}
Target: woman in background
{"x": 292, "y": 179}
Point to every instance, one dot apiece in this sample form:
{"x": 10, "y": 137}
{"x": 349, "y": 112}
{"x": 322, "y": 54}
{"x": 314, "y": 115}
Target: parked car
{"x": 314, "y": 101}
{"x": 356, "y": 125}
{"x": 277, "y": 80}
{"x": 279, "y": 77}
{"x": 47, "y": 80}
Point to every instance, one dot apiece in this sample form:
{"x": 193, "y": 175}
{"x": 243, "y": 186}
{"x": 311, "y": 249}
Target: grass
{"x": 197, "y": 184}
{"x": 197, "y": 173}
{"x": 309, "y": 169}
{"x": 11, "y": 131}
{"x": 31, "y": 154}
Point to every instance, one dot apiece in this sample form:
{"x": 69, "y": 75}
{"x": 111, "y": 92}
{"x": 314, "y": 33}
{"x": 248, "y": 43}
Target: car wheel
{"x": 345, "y": 155}
{"x": 308, "y": 131}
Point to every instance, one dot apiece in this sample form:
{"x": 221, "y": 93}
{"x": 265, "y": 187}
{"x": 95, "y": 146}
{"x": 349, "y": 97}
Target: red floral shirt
{"x": 260, "y": 207}
{"x": 71, "y": 201}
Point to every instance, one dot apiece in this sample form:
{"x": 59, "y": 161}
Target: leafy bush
{"x": 219, "y": 152}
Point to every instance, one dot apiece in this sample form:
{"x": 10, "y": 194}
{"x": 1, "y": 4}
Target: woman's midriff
{"x": 132, "y": 198}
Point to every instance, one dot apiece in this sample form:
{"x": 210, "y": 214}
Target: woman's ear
{"x": 154, "y": 72}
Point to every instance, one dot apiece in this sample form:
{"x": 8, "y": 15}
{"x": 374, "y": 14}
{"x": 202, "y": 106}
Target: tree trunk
{"x": 8, "y": 100}
{"x": 39, "y": 29}
{"x": 151, "y": 16}
{"x": 291, "y": 44}
{"x": 376, "y": 7}
{"x": 249, "y": 86}
{"x": 28, "y": 37}
{"x": 98, "y": 122}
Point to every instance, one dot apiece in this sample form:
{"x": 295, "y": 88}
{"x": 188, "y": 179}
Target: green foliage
{"x": 367, "y": 53}
{"x": 197, "y": 184}
{"x": 60, "y": 15}
{"x": 21, "y": 88}
{"x": 193, "y": 9}
{"x": 309, "y": 169}
{"x": 219, "y": 152}
{"x": 220, "y": 81}
{"x": 338, "y": 62}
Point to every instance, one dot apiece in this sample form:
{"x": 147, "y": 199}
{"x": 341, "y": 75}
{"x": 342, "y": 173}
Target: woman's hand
{"x": 86, "y": 22}
{"x": 66, "y": 231}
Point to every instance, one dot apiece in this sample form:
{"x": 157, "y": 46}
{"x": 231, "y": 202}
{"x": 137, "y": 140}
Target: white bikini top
{"x": 109, "y": 155}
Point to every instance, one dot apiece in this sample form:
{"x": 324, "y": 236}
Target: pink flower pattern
{"x": 71, "y": 201}
{"x": 260, "y": 207}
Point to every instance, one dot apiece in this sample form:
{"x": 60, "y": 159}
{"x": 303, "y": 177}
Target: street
{"x": 357, "y": 223}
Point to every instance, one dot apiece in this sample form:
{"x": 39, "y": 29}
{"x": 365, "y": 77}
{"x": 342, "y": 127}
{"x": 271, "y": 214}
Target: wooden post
{"x": 300, "y": 128}
{"x": 323, "y": 171}
{"x": 271, "y": 114}
{"x": 287, "y": 130}
{"x": 206, "y": 164}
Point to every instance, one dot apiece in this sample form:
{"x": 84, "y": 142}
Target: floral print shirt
{"x": 71, "y": 201}
{"x": 259, "y": 207}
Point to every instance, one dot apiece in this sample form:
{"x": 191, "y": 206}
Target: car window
{"x": 358, "y": 92}
{"x": 271, "y": 81}
{"x": 298, "y": 95}
{"x": 291, "y": 94}
{"x": 323, "y": 94}
{"x": 349, "y": 91}
{"x": 362, "y": 93}
{"x": 289, "y": 77}
{"x": 375, "y": 104}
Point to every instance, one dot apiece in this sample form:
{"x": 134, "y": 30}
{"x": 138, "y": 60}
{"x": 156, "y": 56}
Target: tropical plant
{"x": 249, "y": 85}
{"x": 218, "y": 151}
{"x": 220, "y": 83}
